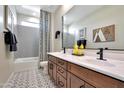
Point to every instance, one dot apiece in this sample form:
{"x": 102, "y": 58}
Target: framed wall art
{"x": 104, "y": 34}
{"x": 82, "y": 33}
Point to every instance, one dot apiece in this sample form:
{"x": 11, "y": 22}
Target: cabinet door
{"x": 74, "y": 82}
{"x": 50, "y": 69}
{"x": 54, "y": 72}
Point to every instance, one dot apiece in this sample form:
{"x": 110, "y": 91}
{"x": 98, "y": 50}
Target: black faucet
{"x": 64, "y": 50}
{"x": 101, "y": 54}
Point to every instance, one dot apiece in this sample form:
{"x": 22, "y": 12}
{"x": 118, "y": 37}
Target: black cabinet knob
{"x": 82, "y": 86}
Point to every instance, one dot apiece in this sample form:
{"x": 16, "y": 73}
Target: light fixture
{"x": 31, "y": 8}
{"x": 34, "y": 14}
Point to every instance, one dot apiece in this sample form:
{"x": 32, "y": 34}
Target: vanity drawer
{"x": 61, "y": 82}
{"x": 62, "y": 63}
{"x": 61, "y": 71}
{"x": 104, "y": 81}
{"x": 78, "y": 71}
{"x": 52, "y": 58}
{"x": 94, "y": 78}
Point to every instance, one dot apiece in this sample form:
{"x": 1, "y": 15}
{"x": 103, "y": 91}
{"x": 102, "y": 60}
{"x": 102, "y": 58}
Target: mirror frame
{"x": 62, "y": 30}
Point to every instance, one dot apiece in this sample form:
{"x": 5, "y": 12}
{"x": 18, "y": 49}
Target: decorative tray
{"x": 78, "y": 54}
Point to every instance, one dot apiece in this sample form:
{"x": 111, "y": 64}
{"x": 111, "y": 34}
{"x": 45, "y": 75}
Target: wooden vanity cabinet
{"x": 94, "y": 78}
{"x": 65, "y": 74}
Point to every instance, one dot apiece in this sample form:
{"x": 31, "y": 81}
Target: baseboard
{"x": 25, "y": 66}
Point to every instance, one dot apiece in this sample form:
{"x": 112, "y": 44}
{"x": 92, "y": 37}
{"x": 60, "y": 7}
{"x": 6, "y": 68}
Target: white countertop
{"x": 113, "y": 68}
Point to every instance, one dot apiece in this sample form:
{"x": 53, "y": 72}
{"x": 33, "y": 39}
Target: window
{"x": 24, "y": 23}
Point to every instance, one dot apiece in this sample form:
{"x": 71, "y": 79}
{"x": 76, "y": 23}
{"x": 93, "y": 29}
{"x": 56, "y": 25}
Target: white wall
{"x": 106, "y": 16}
{"x": 58, "y": 25}
{"x": 6, "y": 57}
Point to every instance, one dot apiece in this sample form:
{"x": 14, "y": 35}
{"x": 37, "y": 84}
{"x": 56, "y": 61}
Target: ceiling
{"x": 34, "y": 10}
{"x": 79, "y": 12}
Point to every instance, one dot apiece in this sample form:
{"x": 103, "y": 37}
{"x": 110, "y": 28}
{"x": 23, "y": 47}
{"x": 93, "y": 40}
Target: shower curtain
{"x": 44, "y": 46}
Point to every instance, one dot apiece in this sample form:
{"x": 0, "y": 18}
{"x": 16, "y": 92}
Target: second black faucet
{"x": 101, "y": 54}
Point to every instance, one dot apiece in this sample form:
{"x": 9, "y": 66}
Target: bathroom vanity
{"x": 68, "y": 71}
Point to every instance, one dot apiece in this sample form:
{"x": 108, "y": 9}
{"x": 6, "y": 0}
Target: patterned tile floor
{"x": 32, "y": 78}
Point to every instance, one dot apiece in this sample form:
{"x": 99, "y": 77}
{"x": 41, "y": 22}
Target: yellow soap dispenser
{"x": 75, "y": 50}
{"x": 81, "y": 46}
{"x": 81, "y": 50}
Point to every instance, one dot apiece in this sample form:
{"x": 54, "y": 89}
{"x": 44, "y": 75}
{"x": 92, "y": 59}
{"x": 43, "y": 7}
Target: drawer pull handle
{"x": 62, "y": 63}
{"x": 60, "y": 70}
{"x": 61, "y": 83}
{"x": 82, "y": 86}
{"x": 51, "y": 58}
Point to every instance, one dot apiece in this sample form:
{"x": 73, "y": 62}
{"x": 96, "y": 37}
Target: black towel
{"x": 10, "y": 39}
{"x": 13, "y": 46}
{"x": 7, "y": 38}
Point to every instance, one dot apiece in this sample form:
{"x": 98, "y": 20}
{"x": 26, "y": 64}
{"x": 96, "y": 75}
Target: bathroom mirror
{"x": 101, "y": 26}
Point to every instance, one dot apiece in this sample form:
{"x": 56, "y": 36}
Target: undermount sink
{"x": 95, "y": 61}
{"x": 99, "y": 62}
